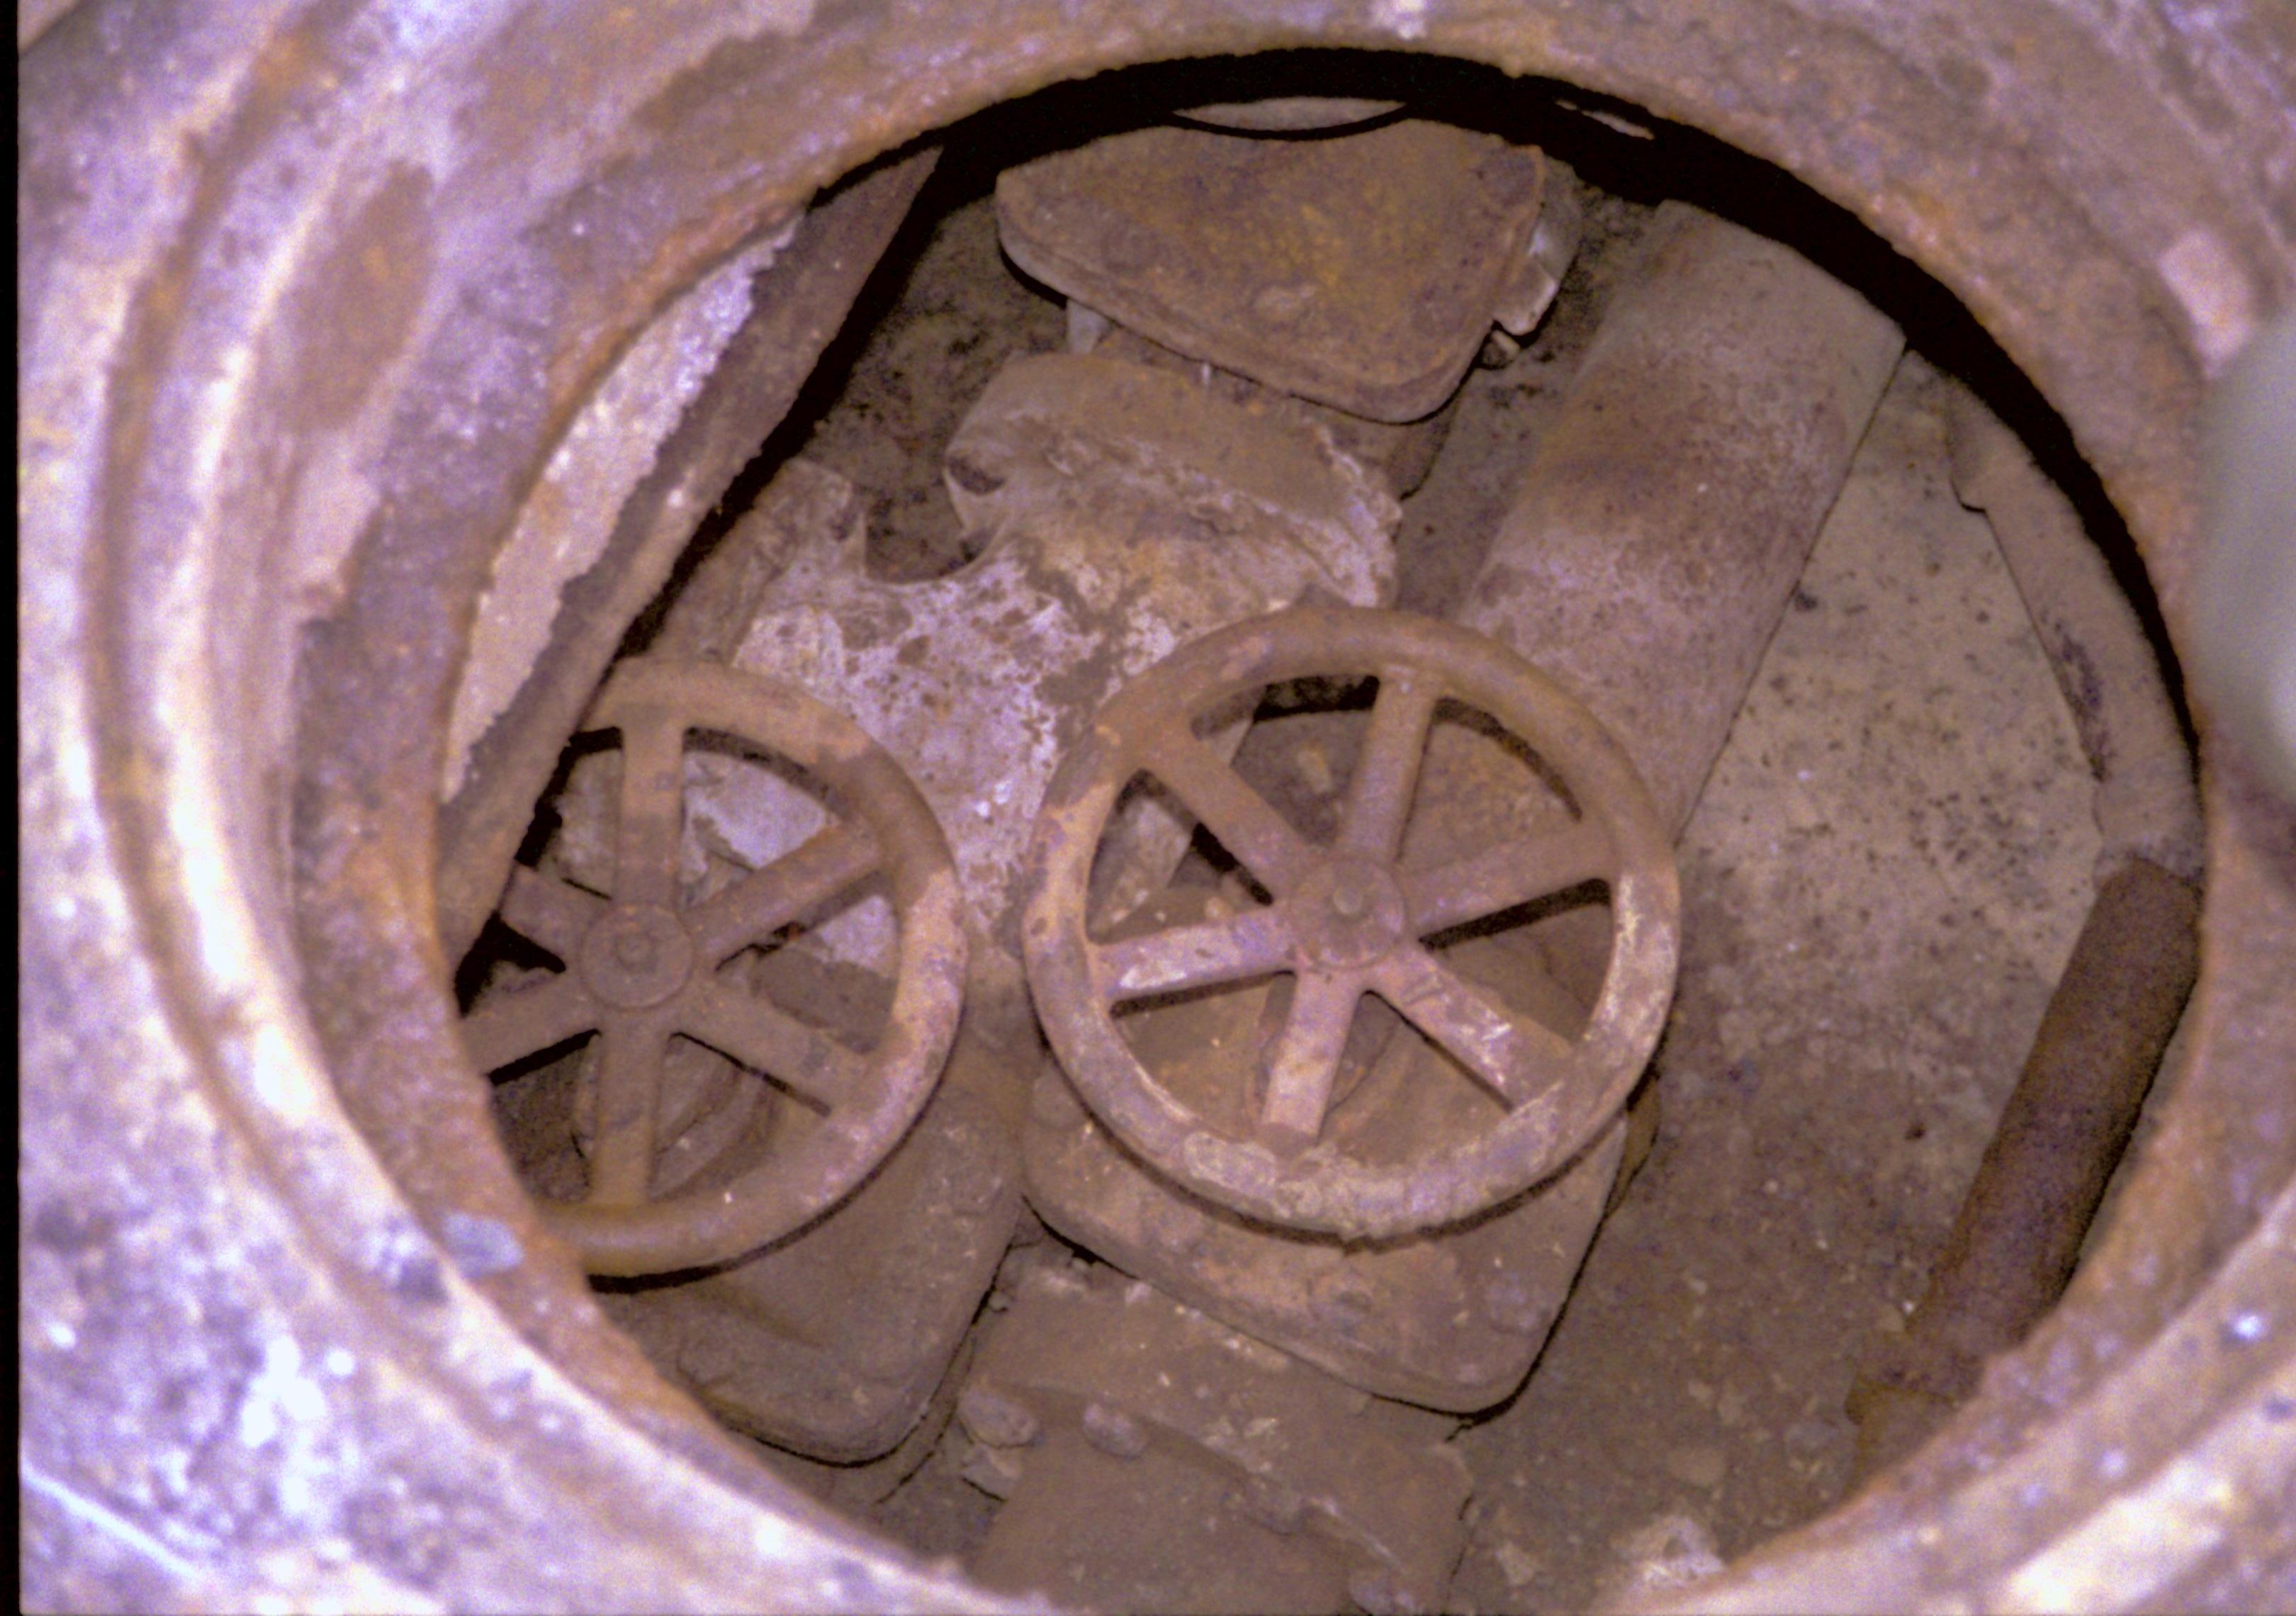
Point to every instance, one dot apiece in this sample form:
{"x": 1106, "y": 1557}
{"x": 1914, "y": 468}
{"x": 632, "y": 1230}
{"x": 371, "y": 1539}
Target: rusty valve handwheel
{"x": 640, "y": 970}
{"x": 1346, "y": 920}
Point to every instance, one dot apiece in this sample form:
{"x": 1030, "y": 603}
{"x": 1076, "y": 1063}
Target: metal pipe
{"x": 2147, "y": 805}
{"x": 2015, "y": 1241}
{"x": 2018, "y": 1233}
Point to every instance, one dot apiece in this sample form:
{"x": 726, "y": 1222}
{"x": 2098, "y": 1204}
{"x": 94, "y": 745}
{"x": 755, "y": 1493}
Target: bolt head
{"x": 995, "y": 1418}
{"x": 1347, "y": 915}
{"x": 1113, "y": 1432}
{"x": 1380, "y": 1592}
{"x": 636, "y": 957}
{"x": 634, "y": 950}
{"x": 1271, "y": 1503}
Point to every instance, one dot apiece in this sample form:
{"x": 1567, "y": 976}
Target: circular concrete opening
{"x": 341, "y": 334}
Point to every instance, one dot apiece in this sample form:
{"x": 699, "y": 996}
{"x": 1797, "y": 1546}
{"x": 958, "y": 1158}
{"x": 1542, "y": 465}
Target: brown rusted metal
{"x": 1230, "y": 250}
{"x": 1450, "y": 1320}
{"x": 1093, "y": 485}
{"x": 1090, "y": 1385}
{"x": 2019, "y": 1230}
{"x": 1400, "y": 454}
{"x": 834, "y": 1344}
{"x": 639, "y": 970}
{"x": 2148, "y": 805}
{"x": 799, "y": 302}
{"x": 1122, "y": 511}
{"x": 1347, "y": 920}
{"x": 1456, "y": 1321}
{"x": 307, "y": 294}
{"x": 851, "y": 1488}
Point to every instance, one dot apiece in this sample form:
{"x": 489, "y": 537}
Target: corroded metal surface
{"x": 640, "y": 970}
{"x": 1347, "y": 920}
{"x": 1451, "y": 1320}
{"x": 1232, "y": 249}
{"x": 569, "y": 519}
{"x": 2245, "y": 651}
{"x": 1400, "y": 454}
{"x": 2020, "y": 1230}
{"x": 1126, "y": 513}
{"x": 977, "y": 682}
{"x": 1455, "y": 1320}
{"x": 834, "y": 1344}
{"x": 1085, "y": 1358}
{"x": 504, "y": 195}
{"x": 2148, "y": 805}
{"x": 853, "y": 1487}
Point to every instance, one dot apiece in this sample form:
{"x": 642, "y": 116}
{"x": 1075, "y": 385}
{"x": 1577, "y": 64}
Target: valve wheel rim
{"x": 640, "y": 970}
{"x": 1346, "y": 920}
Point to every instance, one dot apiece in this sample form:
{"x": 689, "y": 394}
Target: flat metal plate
{"x": 831, "y": 1345}
{"x": 1450, "y": 1320}
{"x": 1361, "y": 270}
{"x": 1378, "y": 1484}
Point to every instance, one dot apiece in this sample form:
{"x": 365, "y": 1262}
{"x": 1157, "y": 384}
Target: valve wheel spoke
{"x": 653, "y": 808}
{"x": 1206, "y": 955}
{"x": 1387, "y": 771}
{"x": 1242, "y": 820}
{"x": 1512, "y": 1055}
{"x": 554, "y": 913}
{"x": 633, "y": 1051}
{"x": 827, "y": 863}
{"x": 525, "y": 1021}
{"x": 752, "y": 1032}
{"x": 1304, "y": 1062}
{"x": 1497, "y": 880}
{"x": 643, "y": 968}
{"x": 1297, "y": 1142}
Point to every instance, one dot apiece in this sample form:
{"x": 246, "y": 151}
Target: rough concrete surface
{"x": 1881, "y": 885}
